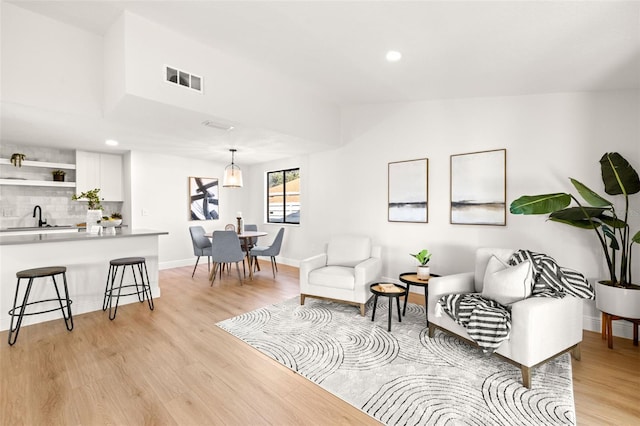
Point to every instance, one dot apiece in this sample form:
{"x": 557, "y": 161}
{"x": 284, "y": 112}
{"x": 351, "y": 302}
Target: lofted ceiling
{"x": 336, "y": 49}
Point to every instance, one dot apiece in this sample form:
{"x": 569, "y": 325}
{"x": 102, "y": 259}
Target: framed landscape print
{"x": 203, "y": 198}
{"x": 478, "y": 188}
{"x": 408, "y": 191}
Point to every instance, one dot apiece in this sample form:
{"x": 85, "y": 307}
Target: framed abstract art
{"x": 203, "y": 198}
{"x": 408, "y": 191}
{"x": 479, "y": 188}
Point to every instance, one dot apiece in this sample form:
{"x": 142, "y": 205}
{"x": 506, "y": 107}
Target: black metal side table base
{"x": 411, "y": 278}
{"x": 390, "y": 296}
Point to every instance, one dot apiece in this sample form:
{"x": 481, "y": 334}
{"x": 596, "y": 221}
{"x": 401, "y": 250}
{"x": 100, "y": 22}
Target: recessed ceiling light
{"x": 111, "y": 142}
{"x": 393, "y": 56}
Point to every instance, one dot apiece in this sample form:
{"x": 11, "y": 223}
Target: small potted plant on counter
{"x": 92, "y": 197}
{"x": 423, "y": 258}
{"x": 94, "y": 212}
{"x": 58, "y": 175}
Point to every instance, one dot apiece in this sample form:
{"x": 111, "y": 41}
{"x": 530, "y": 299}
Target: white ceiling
{"x": 450, "y": 49}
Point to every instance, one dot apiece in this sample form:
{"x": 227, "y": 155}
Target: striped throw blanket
{"x": 488, "y": 323}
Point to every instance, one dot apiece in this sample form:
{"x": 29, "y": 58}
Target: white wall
{"x": 160, "y": 187}
{"x": 50, "y": 65}
{"x": 235, "y": 89}
{"x": 548, "y": 139}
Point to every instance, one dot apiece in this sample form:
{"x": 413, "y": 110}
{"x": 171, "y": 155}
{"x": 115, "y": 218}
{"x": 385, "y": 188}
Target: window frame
{"x": 284, "y": 220}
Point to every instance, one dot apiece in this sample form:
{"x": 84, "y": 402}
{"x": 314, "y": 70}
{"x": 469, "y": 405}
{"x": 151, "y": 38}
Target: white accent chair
{"x": 343, "y": 273}
{"x": 542, "y": 328}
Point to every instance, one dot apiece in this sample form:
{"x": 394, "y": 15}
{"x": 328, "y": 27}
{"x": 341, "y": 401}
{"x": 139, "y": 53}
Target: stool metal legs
{"x": 142, "y": 288}
{"x": 14, "y": 327}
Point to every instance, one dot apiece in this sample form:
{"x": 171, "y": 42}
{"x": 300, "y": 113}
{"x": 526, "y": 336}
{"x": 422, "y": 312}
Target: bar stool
{"x": 31, "y": 275}
{"x": 142, "y": 289}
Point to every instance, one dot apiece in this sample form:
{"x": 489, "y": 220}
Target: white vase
{"x": 93, "y": 217}
{"x": 423, "y": 273}
{"x": 621, "y": 302}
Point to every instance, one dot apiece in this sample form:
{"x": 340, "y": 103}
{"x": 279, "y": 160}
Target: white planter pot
{"x": 423, "y": 273}
{"x": 93, "y": 217}
{"x": 622, "y": 302}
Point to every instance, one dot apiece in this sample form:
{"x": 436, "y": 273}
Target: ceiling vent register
{"x": 176, "y": 76}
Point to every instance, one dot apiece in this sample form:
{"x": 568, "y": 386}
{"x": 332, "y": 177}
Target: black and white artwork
{"x": 408, "y": 191}
{"x": 478, "y": 188}
{"x": 203, "y": 198}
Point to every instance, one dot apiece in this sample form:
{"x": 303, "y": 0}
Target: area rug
{"x": 403, "y": 376}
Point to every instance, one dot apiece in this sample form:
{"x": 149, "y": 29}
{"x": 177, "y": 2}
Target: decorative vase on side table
{"x": 423, "y": 273}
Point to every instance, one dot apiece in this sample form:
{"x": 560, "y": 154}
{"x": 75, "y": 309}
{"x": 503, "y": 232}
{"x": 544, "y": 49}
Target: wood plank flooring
{"x": 174, "y": 366}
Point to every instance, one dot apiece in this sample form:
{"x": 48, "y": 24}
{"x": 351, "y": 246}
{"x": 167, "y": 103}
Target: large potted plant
{"x": 617, "y": 295}
{"x": 94, "y": 212}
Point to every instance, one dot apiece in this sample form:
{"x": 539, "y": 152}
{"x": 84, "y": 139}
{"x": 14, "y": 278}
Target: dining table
{"x": 246, "y": 236}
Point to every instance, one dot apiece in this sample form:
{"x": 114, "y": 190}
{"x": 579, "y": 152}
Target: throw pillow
{"x": 507, "y": 284}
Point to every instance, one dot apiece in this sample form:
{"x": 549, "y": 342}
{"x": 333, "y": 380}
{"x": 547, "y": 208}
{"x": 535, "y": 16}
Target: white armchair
{"x": 343, "y": 273}
{"x": 541, "y": 327}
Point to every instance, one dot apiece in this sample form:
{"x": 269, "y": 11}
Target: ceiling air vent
{"x": 173, "y": 75}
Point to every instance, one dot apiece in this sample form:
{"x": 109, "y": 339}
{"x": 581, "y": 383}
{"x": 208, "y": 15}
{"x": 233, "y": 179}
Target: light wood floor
{"x": 174, "y": 366}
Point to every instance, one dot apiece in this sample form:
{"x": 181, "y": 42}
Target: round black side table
{"x": 411, "y": 278}
{"x": 392, "y": 291}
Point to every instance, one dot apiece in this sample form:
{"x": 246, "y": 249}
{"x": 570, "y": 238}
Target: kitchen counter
{"x": 86, "y": 257}
{"x": 35, "y": 237}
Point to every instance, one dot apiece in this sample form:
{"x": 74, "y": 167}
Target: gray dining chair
{"x": 272, "y": 251}
{"x": 201, "y": 246}
{"x": 225, "y": 249}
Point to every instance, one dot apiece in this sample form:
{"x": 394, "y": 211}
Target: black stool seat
{"x": 41, "y": 272}
{"x": 20, "y": 310}
{"x": 140, "y": 283}
{"x": 125, "y": 261}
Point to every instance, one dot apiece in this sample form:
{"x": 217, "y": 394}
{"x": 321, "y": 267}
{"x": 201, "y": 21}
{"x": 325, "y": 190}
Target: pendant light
{"x": 232, "y": 174}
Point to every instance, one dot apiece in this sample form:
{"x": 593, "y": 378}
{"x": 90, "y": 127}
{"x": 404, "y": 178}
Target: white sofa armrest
{"x": 457, "y": 283}
{"x": 439, "y": 286}
{"x": 366, "y": 273}
{"x": 542, "y": 327}
{"x": 309, "y": 264}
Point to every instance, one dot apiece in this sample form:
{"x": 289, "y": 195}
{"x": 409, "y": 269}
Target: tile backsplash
{"x": 17, "y": 203}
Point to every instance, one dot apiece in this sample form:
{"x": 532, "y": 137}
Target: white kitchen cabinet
{"x": 99, "y": 170}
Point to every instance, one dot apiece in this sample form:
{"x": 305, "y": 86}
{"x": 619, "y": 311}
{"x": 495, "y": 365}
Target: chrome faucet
{"x": 40, "y": 221}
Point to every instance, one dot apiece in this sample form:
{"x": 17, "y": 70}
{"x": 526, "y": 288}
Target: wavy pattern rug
{"x": 404, "y": 377}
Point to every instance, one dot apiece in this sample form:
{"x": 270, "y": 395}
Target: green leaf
{"x": 590, "y": 196}
{"x": 636, "y": 238}
{"x": 582, "y": 224}
{"x": 579, "y": 213}
{"x": 611, "y": 221}
{"x": 540, "y": 204}
{"x": 618, "y": 175}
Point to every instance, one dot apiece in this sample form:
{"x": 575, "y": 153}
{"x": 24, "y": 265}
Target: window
{"x": 283, "y": 196}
